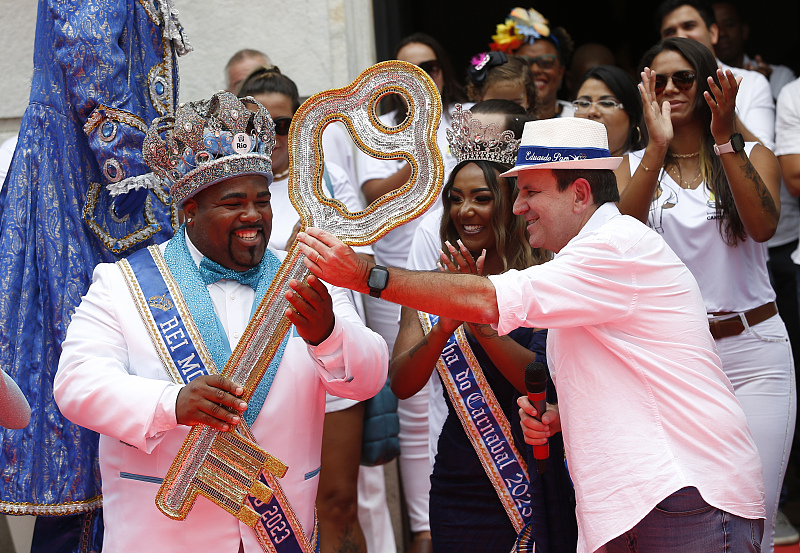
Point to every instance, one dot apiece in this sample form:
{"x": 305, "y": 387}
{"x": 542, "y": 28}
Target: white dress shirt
{"x": 645, "y": 407}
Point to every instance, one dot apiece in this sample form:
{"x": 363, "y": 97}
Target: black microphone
{"x": 536, "y": 385}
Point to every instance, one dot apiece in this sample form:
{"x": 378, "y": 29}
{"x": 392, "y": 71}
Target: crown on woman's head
{"x": 208, "y": 141}
{"x": 471, "y": 141}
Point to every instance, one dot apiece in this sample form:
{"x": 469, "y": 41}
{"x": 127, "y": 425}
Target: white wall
{"x": 320, "y": 44}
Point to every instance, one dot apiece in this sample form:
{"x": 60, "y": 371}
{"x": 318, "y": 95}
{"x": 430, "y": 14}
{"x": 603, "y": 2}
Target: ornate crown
{"x": 469, "y": 140}
{"x": 208, "y": 141}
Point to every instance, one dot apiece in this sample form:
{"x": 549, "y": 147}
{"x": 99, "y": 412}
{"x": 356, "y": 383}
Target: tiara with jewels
{"x": 208, "y": 141}
{"x": 471, "y": 141}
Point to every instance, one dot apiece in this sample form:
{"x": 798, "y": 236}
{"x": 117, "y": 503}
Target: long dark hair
{"x": 511, "y": 239}
{"x": 510, "y": 231}
{"x": 624, "y": 89}
{"x": 705, "y": 65}
{"x": 266, "y": 80}
{"x": 452, "y": 91}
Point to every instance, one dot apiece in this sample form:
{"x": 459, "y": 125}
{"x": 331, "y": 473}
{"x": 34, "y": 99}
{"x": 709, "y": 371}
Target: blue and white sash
{"x": 485, "y": 423}
{"x": 191, "y": 342}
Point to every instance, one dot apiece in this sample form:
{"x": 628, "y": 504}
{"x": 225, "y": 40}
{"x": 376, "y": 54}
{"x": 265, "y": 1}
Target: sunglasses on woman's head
{"x": 282, "y": 125}
{"x": 431, "y": 67}
{"x": 683, "y": 81}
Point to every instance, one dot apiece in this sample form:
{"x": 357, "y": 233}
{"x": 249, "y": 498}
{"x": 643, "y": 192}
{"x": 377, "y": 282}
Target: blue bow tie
{"x": 211, "y": 272}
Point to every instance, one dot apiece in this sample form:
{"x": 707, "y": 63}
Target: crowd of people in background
{"x": 734, "y": 223}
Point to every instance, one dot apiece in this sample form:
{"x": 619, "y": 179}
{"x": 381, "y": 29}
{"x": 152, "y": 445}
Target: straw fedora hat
{"x": 564, "y": 143}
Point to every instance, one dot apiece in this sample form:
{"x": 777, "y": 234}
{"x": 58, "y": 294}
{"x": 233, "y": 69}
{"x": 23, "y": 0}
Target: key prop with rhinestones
{"x": 225, "y": 466}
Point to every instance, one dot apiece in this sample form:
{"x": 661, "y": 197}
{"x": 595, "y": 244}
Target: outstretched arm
{"x": 461, "y": 297}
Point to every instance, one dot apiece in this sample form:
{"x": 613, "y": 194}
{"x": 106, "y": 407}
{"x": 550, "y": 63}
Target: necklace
{"x": 683, "y": 183}
{"x": 685, "y": 156}
{"x": 279, "y": 176}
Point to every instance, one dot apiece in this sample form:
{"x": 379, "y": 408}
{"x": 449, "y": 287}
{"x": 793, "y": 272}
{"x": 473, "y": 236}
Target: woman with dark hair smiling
{"x": 425, "y": 52}
{"x": 607, "y": 94}
{"x": 714, "y": 199}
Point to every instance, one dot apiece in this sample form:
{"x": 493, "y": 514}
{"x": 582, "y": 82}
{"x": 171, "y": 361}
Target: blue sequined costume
{"x": 103, "y": 70}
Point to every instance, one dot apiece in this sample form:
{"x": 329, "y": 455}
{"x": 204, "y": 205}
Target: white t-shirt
{"x": 730, "y": 278}
{"x": 284, "y": 215}
{"x": 787, "y": 130}
{"x": 337, "y": 148}
{"x": 645, "y": 407}
{"x": 392, "y": 250}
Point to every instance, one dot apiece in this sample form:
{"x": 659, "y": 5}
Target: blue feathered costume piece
{"x": 103, "y": 69}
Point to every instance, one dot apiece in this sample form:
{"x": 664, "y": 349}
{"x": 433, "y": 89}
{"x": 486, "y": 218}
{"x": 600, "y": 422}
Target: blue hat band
{"x": 534, "y": 155}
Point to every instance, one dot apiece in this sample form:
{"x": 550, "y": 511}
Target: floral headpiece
{"x": 208, "y": 141}
{"x": 471, "y": 141}
{"x": 480, "y": 65}
{"x": 521, "y": 26}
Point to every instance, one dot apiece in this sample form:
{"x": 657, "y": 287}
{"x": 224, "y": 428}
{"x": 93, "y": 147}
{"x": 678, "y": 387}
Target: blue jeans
{"x": 684, "y": 522}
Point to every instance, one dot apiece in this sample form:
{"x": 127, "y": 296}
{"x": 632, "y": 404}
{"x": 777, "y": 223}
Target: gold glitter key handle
{"x": 212, "y": 463}
{"x": 413, "y": 140}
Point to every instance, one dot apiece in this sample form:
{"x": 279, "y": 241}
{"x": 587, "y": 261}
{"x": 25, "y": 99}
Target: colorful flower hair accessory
{"x": 521, "y": 26}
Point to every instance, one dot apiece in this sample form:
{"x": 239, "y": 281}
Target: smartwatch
{"x": 377, "y": 281}
{"x": 735, "y": 144}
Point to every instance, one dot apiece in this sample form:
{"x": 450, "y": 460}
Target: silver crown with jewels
{"x": 471, "y": 141}
{"x": 208, "y": 141}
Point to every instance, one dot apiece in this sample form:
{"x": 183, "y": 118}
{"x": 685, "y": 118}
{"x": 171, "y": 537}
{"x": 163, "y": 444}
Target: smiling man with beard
{"x": 138, "y": 361}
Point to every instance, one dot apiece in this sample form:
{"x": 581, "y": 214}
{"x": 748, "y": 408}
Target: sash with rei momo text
{"x": 484, "y": 423}
{"x": 178, "y": 339}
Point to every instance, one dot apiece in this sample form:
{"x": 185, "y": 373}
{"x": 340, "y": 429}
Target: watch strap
{"x": 729, "y": 146}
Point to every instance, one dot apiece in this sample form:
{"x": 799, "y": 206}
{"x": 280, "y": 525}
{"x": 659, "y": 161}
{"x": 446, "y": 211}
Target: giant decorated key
{"x": 228, "y": 467}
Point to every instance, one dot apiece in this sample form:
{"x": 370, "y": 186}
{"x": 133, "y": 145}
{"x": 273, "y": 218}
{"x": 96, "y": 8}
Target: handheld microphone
{"x": 536, "y": 385}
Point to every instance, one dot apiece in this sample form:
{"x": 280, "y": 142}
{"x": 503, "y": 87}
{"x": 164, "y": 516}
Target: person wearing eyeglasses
{"x": 338, "y": 497}
{"x": 547, "y": 50}
{"x": 607, "y": 94}
{"x": 715, "y": 200}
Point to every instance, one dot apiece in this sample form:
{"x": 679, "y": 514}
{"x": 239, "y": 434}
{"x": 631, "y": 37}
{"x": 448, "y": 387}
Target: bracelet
{"x": 643, "y": 166}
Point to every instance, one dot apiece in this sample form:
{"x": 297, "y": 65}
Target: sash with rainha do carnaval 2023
{"x": 484, "y": 423}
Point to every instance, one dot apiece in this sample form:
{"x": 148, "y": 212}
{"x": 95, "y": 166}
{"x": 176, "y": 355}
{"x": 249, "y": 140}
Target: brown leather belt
{"x": 733, "y": 326}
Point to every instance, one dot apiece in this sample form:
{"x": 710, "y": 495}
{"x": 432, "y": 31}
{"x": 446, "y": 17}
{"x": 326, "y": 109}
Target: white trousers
{"x": 759, "y": 364}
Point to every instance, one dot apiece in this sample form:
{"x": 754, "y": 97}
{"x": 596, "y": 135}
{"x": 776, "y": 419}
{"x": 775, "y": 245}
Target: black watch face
{"x": 737, "y": 141}
{"x": 378, "y": 277}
